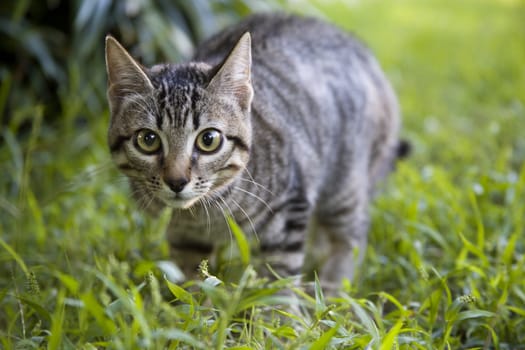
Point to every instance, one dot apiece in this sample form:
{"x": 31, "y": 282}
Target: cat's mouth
{"x": 189, "y": 196}
{"x": 179, "y": 201}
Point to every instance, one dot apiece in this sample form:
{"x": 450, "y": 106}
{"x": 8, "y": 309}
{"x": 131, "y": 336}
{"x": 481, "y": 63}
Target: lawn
{"x": 82, "y": 268}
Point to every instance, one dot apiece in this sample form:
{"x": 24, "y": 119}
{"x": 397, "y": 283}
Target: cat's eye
{"x": 209, "y": 141}
{"x": 147, "y": 141}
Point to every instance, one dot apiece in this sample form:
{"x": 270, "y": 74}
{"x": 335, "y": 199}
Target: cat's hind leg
{"x": 343, "y": 228}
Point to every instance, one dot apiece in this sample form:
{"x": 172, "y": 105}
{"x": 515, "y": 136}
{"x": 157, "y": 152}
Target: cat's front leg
{"x": 284, "y": 261}
{"x": 282, "y": 246}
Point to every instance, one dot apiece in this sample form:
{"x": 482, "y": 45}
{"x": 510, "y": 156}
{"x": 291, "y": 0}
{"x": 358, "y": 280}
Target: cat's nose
{"x": 177, "y": 185}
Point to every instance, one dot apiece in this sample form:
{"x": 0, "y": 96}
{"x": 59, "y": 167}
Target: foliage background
{"x": 81, "y": 267}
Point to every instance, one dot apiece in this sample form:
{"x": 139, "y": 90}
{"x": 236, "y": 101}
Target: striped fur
{"x": 309, "y": 124}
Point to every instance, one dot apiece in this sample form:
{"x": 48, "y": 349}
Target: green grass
{"x": 82, "y": 268}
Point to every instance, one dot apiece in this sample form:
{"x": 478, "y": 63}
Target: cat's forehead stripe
{"x": 177, "y": 100}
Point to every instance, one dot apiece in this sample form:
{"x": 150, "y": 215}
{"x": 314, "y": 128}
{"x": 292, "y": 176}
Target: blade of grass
{"x": 390, "y": 338}
{"x": 56, "y": 334}
{"x": 242, "y": 242}
{"x": 324, "y": 340}
{"x": 15, "y": 256}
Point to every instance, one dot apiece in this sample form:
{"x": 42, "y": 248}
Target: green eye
{"x": 147, "y": 141}
{"x": 209, "y": 140}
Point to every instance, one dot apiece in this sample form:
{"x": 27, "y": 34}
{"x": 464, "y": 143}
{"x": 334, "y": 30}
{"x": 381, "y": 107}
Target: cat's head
{"x": 181, "y": 133}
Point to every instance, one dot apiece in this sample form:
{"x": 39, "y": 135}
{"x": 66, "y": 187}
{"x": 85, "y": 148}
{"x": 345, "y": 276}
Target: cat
{"x": 284, "y": 123}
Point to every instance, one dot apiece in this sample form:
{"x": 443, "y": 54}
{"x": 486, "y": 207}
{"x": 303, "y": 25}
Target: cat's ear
{"x": 234, "y": 75}
{"x": 125, "y": 75}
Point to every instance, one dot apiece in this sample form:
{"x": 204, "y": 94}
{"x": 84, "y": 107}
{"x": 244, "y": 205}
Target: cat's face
{"x": 180, "y": 133}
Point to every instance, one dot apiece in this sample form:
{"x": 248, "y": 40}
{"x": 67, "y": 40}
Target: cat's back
{"x": 280, "y": 38}
{"x": 316, "y": 88}
{"x": 300, "y": 64}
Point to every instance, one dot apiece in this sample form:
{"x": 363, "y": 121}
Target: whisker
{"x": 82, "y": 179}
{"x": 221, "y": 209}
{"x": 218, "y": 205}
{"x": 143, "y": 197}
{"x": 149, "y": 203}
{"x": 247, "y": 217}
{"x": 254, "y": 196}
{"x": 192, "y": 211}
{"x": 144, "y": 201}
{"x": 204, "y": 202}
{"x": 87, "y": 175}
{"x": 226, "y": 205}
{"x": 255, "y": 182}
{"x": 248, "y": 181}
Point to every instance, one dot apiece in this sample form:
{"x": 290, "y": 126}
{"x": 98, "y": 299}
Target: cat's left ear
{"x": 125, "y": 75}
{"x": 234, "y": 75}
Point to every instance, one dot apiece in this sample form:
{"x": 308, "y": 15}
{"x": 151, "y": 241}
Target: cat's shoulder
{"x": 274, "y": 29}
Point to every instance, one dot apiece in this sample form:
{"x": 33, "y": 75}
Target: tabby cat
{"x": 283, "y": 123}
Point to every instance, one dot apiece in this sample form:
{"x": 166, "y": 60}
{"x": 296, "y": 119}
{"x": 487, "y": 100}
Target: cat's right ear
{"x": 234, "y": 75}
{"x": 125, "y": 75}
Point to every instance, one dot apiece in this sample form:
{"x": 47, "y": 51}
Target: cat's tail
{"x": 404, "y": 148}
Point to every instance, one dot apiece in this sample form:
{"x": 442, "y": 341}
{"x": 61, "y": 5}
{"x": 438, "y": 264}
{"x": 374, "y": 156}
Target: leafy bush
{"x": 50, "y": 48}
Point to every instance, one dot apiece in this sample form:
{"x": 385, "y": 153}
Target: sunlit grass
{"x": 82, "y": 268}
